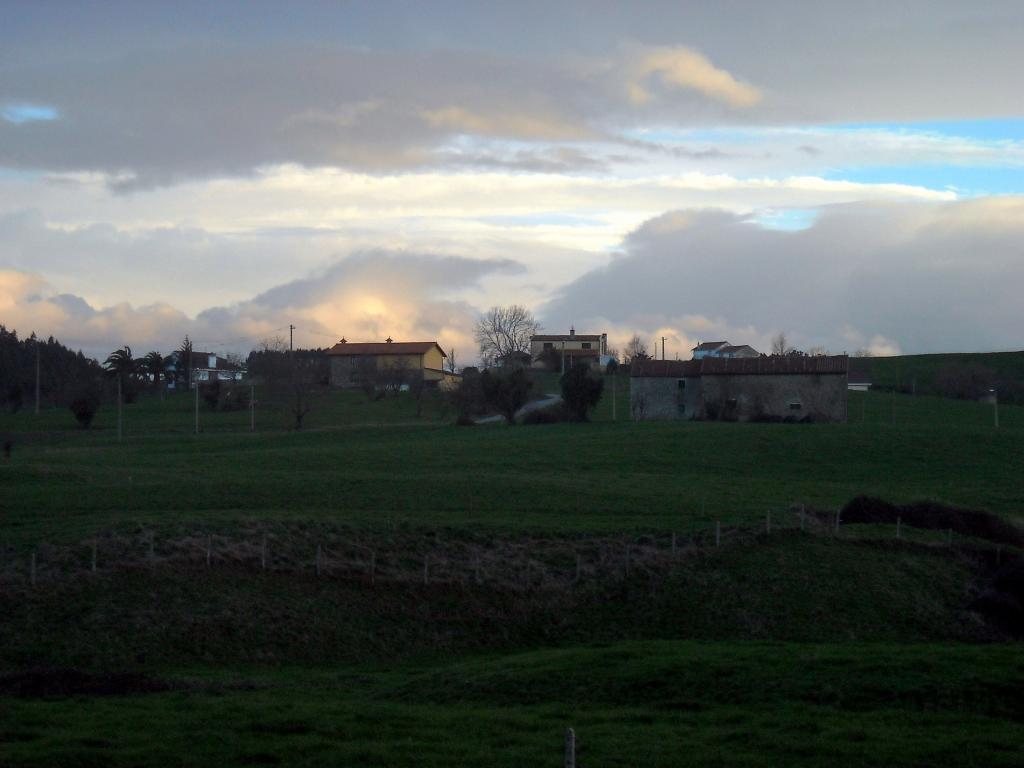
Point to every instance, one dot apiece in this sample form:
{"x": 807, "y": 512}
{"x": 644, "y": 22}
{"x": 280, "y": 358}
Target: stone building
{"x": 776, "y": 388}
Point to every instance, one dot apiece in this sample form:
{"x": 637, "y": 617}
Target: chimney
{"x": 604, "y": 343}
{"x": 343, "y": 340}
{"x": 388, "y": 339}
{"x": 572, "y": 331}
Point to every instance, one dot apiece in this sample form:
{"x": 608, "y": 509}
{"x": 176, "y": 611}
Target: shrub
{"x": 233, "y": 398}
{"x": 210, "y": 392}
{"x": 84, "y": 407}
{"x": 581, "y": 391}
{"x": 552, "y": 414}
{"x": 506, "y": 391}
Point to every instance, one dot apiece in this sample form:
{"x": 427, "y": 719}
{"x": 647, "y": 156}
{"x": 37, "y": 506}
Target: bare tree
{"x": 636, "y": 349}
{"x": 367, "y": 375}
{"x": 451, "y": 361}
{"x": 863, "y": 352}
{"x": 504, "y": 330}
{"x": 780, "y": 346}
{"x": 817, "y": 351}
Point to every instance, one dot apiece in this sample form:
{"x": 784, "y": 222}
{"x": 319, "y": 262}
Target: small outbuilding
{"x": 775, "y": 388}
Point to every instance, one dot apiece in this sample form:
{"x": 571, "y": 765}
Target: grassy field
{"x": 789, "y": 647}
{"x": 920, "y": 371}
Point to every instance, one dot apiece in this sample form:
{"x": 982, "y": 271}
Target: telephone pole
{"x": 37, "y": 377}
{"x": 291, "y": 337}
{"x": 662, "y": 347}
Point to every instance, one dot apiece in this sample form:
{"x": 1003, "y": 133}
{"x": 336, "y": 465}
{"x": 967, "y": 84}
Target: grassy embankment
{"x": 827, "y": 651}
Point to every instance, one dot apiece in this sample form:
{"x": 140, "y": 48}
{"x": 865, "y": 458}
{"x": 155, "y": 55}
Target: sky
{"x": 849, "y": 174}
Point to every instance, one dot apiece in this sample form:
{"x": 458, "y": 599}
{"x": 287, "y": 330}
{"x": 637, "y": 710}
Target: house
{"x": 204, "y": 367}
{"x": 562, "y": 351}
{"x": 723, "y": 349}
{"x": 352, "y": 363}
{"x": 777, "y": 388}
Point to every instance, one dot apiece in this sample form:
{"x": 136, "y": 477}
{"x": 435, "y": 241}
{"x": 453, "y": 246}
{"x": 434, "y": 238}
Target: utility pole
{"x": 119, "y": 401}
{"x": 37, "y": 377}
{"x": 995, "y": 407}
{"x": 197, "y": 407}
{"x": 662, "y": 347}
{"x": 563, "y": 357}
{"x": 615, "y": 378}
{"x": 291, "y": 337}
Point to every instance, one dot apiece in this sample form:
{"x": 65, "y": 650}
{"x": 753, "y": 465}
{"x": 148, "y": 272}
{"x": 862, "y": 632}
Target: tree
{"x": 581, "y": 391}
{"x": 504, "y": 330}
{"x": 780, "y": 346}
{"x": 636, "y": 349}
{"x": 122, "y": 366}
{"x": 817, "y": 351}
{"x": 451, "y": 361}
{"x": 184, "y": 354}
{"x": 153, "y": 364}
{"x": 506, "y": 391}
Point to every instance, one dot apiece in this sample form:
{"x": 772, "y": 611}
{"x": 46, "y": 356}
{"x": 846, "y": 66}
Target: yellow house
{"x": 352, "y": 363}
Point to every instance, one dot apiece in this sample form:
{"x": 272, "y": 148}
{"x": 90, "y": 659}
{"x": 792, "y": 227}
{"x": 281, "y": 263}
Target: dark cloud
{"x": 925, "y": 277}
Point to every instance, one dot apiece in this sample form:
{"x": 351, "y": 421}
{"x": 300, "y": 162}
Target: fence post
{"x": 801, "y": 517}
{"x": 838, "y": 514}
{"x": 152, "y": 545}
{"x": 263, "y": 554}
{"x": 673, "y": 543}
{"x": 579, "y": 568}
{"x": 93, "y": 561}
{"x": 718, "y": 533}
{"x": 570, "y": 748}
{"x": 999, "y": 554}
{"x": 317, "y": 559}
{"x": 373, "y": 567}
{"x": 32, "y": 570}
{"x": 899, "y": 523}
{"x": 209, "y": 549}
{"x": 629, "y": 553}
{"x": 426, "y": 569}
{"x": 768, "y": 521}
{"x": 949, "y": 537}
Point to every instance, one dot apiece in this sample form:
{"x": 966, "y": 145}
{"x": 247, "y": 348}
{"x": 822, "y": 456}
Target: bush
{"x": 552, "y": 414}
{"x": 233, "y": 398}
{"x": 210, "y": 392}
{"x": 581, "y": 391}
{"x": 84, "y": 407}
{"x": 506, "y": 391}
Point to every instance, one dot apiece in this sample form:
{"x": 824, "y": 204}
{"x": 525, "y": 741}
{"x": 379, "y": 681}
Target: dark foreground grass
{"x": 666, "y": 704}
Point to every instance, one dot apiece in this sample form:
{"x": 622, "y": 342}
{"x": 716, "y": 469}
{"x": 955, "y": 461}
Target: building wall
{"x": 345, "y": 368}
{"x": 661, "y": 398}
{"x": 740, "y": 398}
{"x": 537, "y": 347}
{"x": 820, "y": 397}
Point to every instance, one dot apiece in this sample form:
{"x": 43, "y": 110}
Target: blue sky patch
{"x": 28, "y": 113}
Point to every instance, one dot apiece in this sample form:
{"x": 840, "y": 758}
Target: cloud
{"x": 169, "y": 115}
{"x": 366, "y": 297}
{"x": 916, "y": 277}
{"x": 681, "y": 67}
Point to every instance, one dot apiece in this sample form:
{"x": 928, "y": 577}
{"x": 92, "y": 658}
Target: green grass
{"x": 920, "y": 371}
{"x": 792, "y": 649}
{"x": 630, "y": 704}
{"x": 567, "y": 477}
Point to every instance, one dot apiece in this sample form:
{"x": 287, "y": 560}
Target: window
{"x": 548, "y": 345}
{"x": 795, "y": 405}
{"x": 585, "y": 345}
